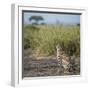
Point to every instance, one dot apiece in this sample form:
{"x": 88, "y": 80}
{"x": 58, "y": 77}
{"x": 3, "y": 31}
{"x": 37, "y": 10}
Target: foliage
{"x": 36, "y": 19}
{"x": 42, "y": 39}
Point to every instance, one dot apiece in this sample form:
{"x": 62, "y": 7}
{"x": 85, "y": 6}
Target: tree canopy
{"x": 36, "y": 18}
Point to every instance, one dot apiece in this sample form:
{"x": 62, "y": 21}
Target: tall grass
{"x": 42, "y": 39}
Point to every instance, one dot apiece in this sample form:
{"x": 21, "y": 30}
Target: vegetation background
{"x": 42, "y": 39}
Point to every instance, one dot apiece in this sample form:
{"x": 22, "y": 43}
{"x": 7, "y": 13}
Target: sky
{"x": 52, "y": 18}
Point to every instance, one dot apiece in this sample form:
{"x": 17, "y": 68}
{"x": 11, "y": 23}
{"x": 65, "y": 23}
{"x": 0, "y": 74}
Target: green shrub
{"x": 26, "y": 43}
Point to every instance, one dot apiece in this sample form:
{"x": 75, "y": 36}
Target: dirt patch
{"x": 45, "y": 67}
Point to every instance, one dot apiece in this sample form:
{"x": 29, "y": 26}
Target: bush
{"x": 26, "y": 43}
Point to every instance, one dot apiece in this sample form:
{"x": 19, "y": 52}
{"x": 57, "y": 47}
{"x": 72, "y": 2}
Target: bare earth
{"x": 43, "y": 67}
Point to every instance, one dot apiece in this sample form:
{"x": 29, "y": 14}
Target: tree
{"x": 36, "y": 19}
{"x": 78, "y": 24}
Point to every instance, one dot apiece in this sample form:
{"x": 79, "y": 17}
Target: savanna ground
{"x": 40, "y": 49}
